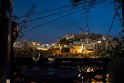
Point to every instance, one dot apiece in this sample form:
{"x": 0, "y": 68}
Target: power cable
{"x": 51, "y": 21}
{"x": 112, "y": 22}
{"x": 52, "y": 14}
{"x": 116, "y": 14}
{"x": 47, "y": 10}
{"x": 56, "y": 9}
{"x": 56, "y": 13}
{"x": 122, "y": 24}
{"x": 24, "y": 24}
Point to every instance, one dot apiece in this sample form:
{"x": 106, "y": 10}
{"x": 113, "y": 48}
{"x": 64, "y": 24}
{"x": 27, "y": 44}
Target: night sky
{"x": 50, "y": 28}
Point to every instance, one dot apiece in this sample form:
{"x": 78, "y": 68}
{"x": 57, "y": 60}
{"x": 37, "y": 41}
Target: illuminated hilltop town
{"x": 71, "y": 45}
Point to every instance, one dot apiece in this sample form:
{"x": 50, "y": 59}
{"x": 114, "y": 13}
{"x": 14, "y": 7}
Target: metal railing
{"x": 89, "y": 68}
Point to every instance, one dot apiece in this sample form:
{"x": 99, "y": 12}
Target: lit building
{"x": 83, "y": 47}
{"x": 69, "y": 36}
{"x": 76, "y": 47}
{"x": 22, "y": 44}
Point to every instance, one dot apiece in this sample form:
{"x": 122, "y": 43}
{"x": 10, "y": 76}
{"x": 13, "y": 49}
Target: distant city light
{"x": 99, "y": 41}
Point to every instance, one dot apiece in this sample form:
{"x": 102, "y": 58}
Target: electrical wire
{"x": 50, "y": 21}
{"x": 122, "y": 24}
{"x": 52, "y": 14}
{"x": 55, "y": 13}
{"x": 56, "y": 9}
{"x": 47, "y": 10}
{"x": 112, "y": 23}
{"x": 116, "y": 14}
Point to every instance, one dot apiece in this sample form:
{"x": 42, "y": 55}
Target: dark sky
{"x": 50, "y": 28}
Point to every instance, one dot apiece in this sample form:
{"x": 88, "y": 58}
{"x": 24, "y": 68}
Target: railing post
{"x": 104, "y": 78}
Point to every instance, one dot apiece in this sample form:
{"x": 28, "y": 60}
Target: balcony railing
{"x": 93, "y": 68}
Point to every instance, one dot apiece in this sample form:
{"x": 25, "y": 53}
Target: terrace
{"x": 104, "y": 69}
{"x": 88, "y": 68}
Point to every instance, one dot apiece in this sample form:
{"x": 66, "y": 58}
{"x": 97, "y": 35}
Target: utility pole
{"x": 5, "y": 38}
